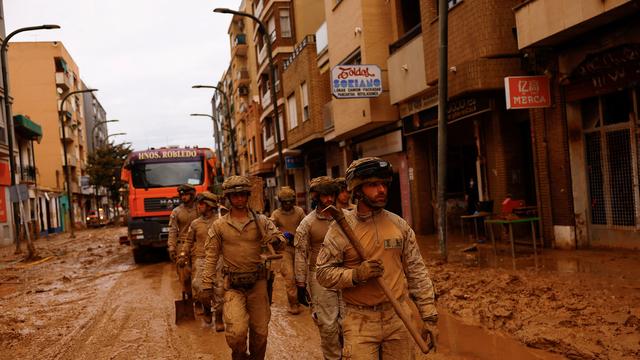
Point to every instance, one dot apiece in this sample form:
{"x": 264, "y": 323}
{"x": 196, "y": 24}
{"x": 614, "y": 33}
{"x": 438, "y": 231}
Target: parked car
{"x": 96, "y": 218}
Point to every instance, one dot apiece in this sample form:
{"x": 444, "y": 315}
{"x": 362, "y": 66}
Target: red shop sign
{"x": 526, "y": 92}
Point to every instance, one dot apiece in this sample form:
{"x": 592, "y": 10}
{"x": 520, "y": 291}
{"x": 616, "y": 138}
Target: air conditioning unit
{"x": 242, "y": 90}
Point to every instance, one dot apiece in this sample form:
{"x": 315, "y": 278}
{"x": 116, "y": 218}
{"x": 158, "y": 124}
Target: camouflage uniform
{"x": 326, "y": 306}
{"x": 287, "y": 222}
{"x": 179, "y": 221}
{"x": 371, "y": 328}
{"x": 246, "y": 301}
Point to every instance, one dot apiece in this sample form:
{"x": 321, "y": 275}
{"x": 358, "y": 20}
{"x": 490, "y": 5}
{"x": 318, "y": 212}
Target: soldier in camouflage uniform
{"x": 343, "y": 201}
{"x": 180, "y": 219}
{"x": 371, "y": 328}
{"x": 241, "y": 236}
{"x": 309, "y": 237}
{"x": 287, "y": 218}
{"x": 192, "y": 251}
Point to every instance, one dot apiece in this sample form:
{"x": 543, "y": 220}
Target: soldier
{"x": 241, "y": 236}
{"x": 343, "y": 201}
{"x": 287, "y": 218}
{"x": 372, "y": 330}
{"x": 309, "y": 237}
{"x": 180, "y": 219}
{"x": 192, "y": 252}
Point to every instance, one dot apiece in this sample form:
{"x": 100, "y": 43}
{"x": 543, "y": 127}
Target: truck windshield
{"x": 153, "y": 175}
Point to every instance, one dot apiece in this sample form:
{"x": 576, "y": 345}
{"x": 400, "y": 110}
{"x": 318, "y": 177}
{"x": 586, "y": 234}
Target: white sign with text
{"x": 356, "y": 81}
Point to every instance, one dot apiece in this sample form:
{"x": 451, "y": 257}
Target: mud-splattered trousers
{"x": 246, "y": 309}
{"x": 288, "y": 221}
{"x": 193, "y": 249}
{"x": 325, "y": 305}
{"x": 372, "y": 330}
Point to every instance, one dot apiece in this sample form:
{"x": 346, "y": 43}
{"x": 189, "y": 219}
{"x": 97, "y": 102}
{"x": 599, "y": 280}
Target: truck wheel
{"x": 138, "y": 256}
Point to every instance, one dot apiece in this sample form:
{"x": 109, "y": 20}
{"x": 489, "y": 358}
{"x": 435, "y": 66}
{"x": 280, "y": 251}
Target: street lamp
{"x": 116, "y": 134}
{"x": 95, "y": 126}
{"x": 61, "y": 117}
{"x": 267, "y": 40}
{"x": 232, "y": 135}
{"x": 215, "y": 133}
{"x": 7, "y": 111}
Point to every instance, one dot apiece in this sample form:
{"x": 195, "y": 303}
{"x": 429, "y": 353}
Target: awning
{"x": 27, "y": 128}
{"x": 285, "y": 152}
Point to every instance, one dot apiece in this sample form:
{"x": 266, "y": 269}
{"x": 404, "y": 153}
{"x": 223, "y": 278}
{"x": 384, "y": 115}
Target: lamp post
{"x": 61, "y": 117}
{"x": 267, "y": 40}
{"x": 115, "y": 134}
{"x": 96, "y": 126}
{"x": 216, "y": 133}
{"x": 7, "y": 111}
{"x": 232, "y": 135}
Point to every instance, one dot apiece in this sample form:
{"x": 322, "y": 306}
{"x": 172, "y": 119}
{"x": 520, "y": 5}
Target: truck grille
{"x": 160, "y": 204}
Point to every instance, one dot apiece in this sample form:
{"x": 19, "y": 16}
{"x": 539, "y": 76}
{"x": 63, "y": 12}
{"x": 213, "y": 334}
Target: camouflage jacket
{"x": 193, "y": 245}
{"x": 240, "y": 243}
{"x": 384, "y": 236}
{"x": 179, "y": 221}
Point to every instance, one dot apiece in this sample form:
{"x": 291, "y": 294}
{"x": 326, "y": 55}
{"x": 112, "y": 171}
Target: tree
{"x": 104, "y": 168}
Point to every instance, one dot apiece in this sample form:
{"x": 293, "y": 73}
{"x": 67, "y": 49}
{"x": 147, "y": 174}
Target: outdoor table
{"x": 510, "y": 222}
{"x": 474, "y": 217}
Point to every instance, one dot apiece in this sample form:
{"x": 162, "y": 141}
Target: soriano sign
{"x": 356, "y": 81}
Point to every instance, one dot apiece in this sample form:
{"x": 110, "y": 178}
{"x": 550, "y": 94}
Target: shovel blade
{"x": 184, "y": 311}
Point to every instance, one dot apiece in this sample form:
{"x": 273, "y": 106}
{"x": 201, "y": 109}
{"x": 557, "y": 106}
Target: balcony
{"x": 63, "y": 80}
{"x": 549, "y": 22}
{"x": 71, "y": 160}
{"x": 69, "y": 134}
{"x": 239, "y": 45}
{"x": 28, "y": 174}
{"x": 407, "y": 70}
{"x": 262, "y": 55}
{"x": 242, "y": 77}
{"x": 266, "y": 99}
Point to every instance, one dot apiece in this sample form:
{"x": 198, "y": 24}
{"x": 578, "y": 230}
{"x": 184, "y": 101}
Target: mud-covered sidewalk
{"x": 581, "y": 304}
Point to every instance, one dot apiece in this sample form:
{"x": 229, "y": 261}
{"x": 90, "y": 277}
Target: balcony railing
{"x": 266, "y": 99}
{"x": 28, "y": 174}
{"x": 63, "y": 80}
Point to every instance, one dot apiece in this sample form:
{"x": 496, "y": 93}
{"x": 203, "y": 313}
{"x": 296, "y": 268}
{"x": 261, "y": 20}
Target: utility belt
{"x": 244, "y": 280}
{"x": 384, "y": 306}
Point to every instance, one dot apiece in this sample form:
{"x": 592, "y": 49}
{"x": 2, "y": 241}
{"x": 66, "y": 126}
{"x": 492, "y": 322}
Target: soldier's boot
{"x": 294, "y": 309}
{"x": 219, "y": 322}
{"x": 207, "y": 314}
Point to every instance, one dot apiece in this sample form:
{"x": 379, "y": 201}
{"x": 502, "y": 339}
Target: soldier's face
{"x": 202, "y": 207}
{"x": 326, "y": 200}
{"x": 287, "y": 205}
{"x": 344, "y": 196}
{"x": 239, "y": 200}
{"x": 186, "y": 197}
{"x": 375, "y": 193}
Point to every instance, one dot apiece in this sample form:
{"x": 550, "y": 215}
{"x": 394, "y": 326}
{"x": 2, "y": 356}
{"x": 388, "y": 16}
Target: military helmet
{"x": 286, "y": 194}
{"x": 341, "y": 182}
{"x": 186, "y": 188}
{"x": 324, "y": 185}
{"x": 236, "y": 184}
{"x": 369, "y": 169}
{"x": 208, "y": 198}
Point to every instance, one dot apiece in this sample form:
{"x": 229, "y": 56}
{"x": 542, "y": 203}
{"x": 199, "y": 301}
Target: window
{"x": 451, "y": 4}
{"x": 409, "y": 15}
{"x": 354, "y": 59}
{"x": 305, "y": 101}
{"x": 285, "y": 24}
{"x": 293, "y": 111}
{"x": 271, "y": 28}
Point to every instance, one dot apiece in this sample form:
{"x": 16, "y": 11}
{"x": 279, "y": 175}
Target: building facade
{"x": 96, "y": 134}
{"x": 42, "y": 74}
{"x": 6, "y": 213}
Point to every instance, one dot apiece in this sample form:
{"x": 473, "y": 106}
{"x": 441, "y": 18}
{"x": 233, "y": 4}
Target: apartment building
{"x": 42, "y": 73}
{"x": 6, "y": 223}
{"x": 586, "y": 143}
{"x": 96, "y": 133}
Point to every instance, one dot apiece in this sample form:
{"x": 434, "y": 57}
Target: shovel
{"x": 184, "y": 309}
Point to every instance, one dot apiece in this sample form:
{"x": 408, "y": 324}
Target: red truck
{"x": 153, "y": 177}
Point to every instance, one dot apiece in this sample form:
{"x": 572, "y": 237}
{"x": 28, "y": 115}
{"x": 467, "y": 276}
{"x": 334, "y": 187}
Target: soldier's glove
{"x": 182, "y": 260}
{"x": 303, "y": 295}
{"x": 206, "y": 296}
{"x": 430, "y": 331}
{"x": 368, "y": 269}
{"x": 172, "y": 254}
{"x": 289, "y": 236}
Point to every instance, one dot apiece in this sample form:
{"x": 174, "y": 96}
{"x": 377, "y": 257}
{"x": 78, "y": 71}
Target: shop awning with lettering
{"x": 27, "y": 128}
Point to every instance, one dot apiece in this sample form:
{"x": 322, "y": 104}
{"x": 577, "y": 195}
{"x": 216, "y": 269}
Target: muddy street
{"x": 87, "y": 299}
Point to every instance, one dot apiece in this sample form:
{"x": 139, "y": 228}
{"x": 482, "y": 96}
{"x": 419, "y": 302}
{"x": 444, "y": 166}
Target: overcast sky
{"x": 143, "y": 56}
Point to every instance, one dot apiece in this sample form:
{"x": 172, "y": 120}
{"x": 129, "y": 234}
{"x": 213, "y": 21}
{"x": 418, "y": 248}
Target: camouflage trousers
{"x": 284, "y": 267}
{"x": 197, "y": 263}
{"x": 374, "y": 333}
{"x": 326, "y": 310}
{"x": 247, "y": 311}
